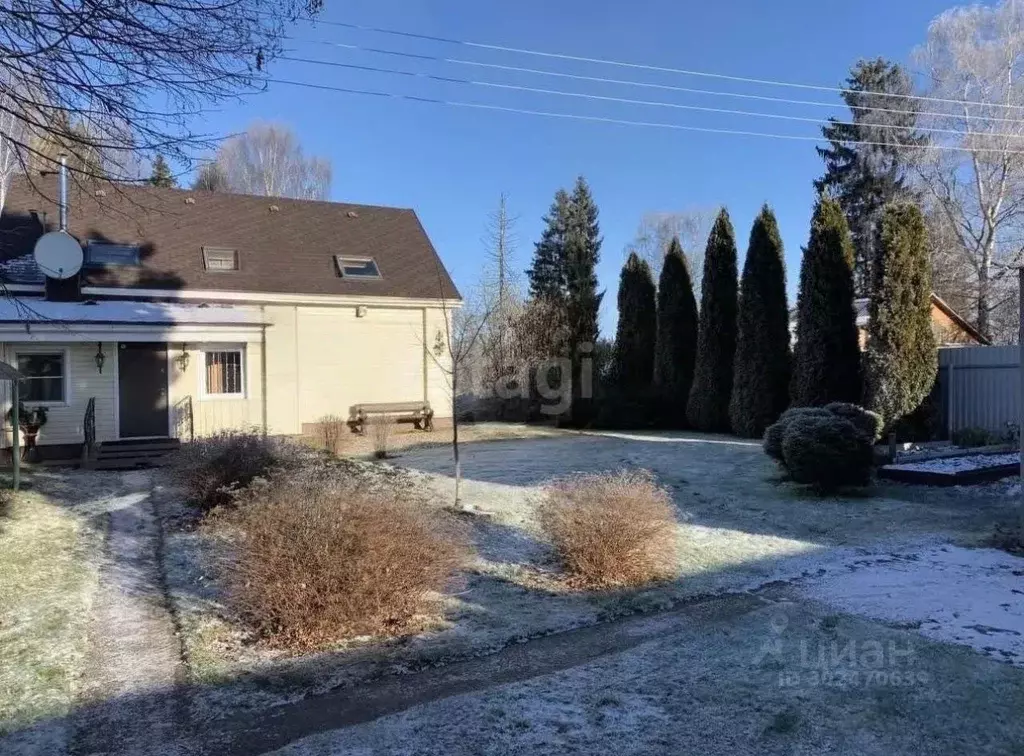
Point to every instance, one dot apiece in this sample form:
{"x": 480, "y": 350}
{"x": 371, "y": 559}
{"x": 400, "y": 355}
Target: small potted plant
{"x": 30, "y": 421}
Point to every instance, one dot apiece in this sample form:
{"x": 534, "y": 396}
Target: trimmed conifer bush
{"x": 826, "y": 357}
{"x": 708, "y": 406}
{"x": 867, "y": 422}
{"x": 828, "y": 452}
{"x": 774, "y": 433}
{"x": 636, "y": 333}
{"x": 676, "y": 344}
{"x": 901, "y": 359}
{"x": 760, "y": 390}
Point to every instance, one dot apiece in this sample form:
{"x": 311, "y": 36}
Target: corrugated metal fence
{"x": 979, "y": 387}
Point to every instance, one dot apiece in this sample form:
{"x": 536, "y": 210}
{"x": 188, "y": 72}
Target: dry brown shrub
{"x": 611, "y": 530}
{"x": 319, "y": 558}
{"x": 382, "y": 428}
{"x": 331, "y": 431}
{"x": 215, "y": 468}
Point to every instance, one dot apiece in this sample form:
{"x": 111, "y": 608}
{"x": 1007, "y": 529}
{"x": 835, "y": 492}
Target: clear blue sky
{"x": 451, "y": 164}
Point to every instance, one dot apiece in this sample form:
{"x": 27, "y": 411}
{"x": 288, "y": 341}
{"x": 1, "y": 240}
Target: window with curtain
{"x": 224, "y": 373}
{"x": 44, "y": 377}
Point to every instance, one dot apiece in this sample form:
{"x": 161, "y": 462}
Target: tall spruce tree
{"x": 582, "y": 252}
{"x": 547, "y": 272}
{"x": 866, "y": 159}
{"x": 708, "y": 406}
{"x": 826, "y": 358}
{"x": 901, "y": 357}
{"x": 162, "y": 176}
{"x": 760, "y": 389}
{"x": 638, "y": 323}
{"x": 676, "y": 347}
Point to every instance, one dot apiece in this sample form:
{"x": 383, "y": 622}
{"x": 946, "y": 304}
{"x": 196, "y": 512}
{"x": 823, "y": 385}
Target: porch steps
{"x": 132, "y": 453}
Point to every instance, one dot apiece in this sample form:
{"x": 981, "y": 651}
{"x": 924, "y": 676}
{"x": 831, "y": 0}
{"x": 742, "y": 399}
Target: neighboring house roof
{"x": 861, "y": 310}
{"x": 285, "y": 246}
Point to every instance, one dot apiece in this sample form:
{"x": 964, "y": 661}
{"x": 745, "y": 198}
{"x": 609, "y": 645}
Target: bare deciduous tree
{"x": 657, "y": 229}
{"x": 973, "y": 59}
{"x": 127, "y": 79}
{"x": 267, "y": 159}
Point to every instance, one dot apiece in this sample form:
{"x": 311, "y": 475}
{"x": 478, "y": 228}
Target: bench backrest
{"x": 389, "y": 407}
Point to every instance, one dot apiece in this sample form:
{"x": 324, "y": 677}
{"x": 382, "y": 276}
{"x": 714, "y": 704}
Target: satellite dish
{"x": 58, "y": 254}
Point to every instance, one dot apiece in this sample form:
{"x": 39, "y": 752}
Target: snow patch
{"x": 971, "y": 597}
{"x": 953, "y": 465}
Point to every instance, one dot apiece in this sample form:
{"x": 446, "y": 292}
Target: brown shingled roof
{"x": 286, "y": 246}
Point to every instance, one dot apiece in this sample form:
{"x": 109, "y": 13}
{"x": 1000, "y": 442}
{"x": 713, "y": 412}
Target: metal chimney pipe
{"x": 63, "y": 192}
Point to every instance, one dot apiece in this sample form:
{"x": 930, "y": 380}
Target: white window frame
{"x": 66, "y": 356}
{"x": 204, "y": 394}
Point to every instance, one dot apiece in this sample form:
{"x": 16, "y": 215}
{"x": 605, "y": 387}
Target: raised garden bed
{"x": 954, "y": 471}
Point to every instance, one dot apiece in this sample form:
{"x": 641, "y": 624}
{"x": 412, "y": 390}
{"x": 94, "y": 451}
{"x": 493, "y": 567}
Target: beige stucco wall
{"x": 212, "y": 413}
{"x": 321, "y": 360}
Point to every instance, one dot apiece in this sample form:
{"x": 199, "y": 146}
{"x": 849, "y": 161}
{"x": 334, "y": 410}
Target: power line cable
{"x": 643, "y": 84}
{"x": 624, "y": 100}
{"x": 618, "y": 121}
{"x": 644, "y": 66}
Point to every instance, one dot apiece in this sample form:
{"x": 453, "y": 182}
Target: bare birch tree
{"x": 267, "y": 159}
{"x": 657, "y": 229}
{"x": 973, "y": 61}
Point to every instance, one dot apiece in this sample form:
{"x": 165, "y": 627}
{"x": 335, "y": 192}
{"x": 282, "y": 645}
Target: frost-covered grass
{"x": 953, "y": 465}
{"x": 47, "y": 580}
{"x": 767, "y": 682}
{"x": 739, "y": 528}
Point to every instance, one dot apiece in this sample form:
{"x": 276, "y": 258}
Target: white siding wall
{"x": 65, "y": 421}
{"x": 212, "y": 413}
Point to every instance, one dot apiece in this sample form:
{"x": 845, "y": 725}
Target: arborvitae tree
{"x": 866, "y": 159}
{"x": 547, "y": 273}
{"x": 708, "y": 405}
{"x": 901, "y": 358}
{"x": 635, "y": 336}
{"x": 676, "y": 348}
{"x": 826, "y": 357}
{"x": 162, "y": 176}
{"x": 582, "y": 252}
{"x": 760, "y": 389}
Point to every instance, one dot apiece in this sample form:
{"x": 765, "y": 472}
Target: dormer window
{"x": 103, "y": 254}
{"x": 220, "y": 259}
{"x": 361, "y": 268}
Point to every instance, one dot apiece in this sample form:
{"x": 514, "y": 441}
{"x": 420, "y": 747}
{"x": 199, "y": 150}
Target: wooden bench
{"x": 418, "y": 413}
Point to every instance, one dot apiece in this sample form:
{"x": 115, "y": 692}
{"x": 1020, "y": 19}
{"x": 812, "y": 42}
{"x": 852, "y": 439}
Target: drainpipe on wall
{"x": 263, "y": 367}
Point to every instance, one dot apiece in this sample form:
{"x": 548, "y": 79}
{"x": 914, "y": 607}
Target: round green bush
{"x": 867, "y": 422}
{"x": 774, "y": 434}
{"x": 827, "y": 451}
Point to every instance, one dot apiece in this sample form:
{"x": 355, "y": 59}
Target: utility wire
{"x": 633, "y": 83}
{"x": 624, "y": 100}
{"x": 618, "y": 121}
{"x": 645, "y": 67}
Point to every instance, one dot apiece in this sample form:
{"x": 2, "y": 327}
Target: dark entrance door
{"x": 142, "y": 389}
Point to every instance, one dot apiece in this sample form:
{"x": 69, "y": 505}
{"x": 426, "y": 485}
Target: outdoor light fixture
{"x": 100, "y": 358}
{"x": 183, "y": 358}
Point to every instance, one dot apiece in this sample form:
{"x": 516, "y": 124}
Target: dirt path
{"x": 263, "y": 731}
{"x": 134, "y": 648}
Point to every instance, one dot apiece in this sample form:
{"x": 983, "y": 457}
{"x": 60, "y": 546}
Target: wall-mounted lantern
{"x": 183, "y": 358}
{"x": 100, "y": 358}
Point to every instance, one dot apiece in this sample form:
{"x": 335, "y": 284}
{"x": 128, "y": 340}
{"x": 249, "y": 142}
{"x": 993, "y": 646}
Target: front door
{"x": 142, "y": 389}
